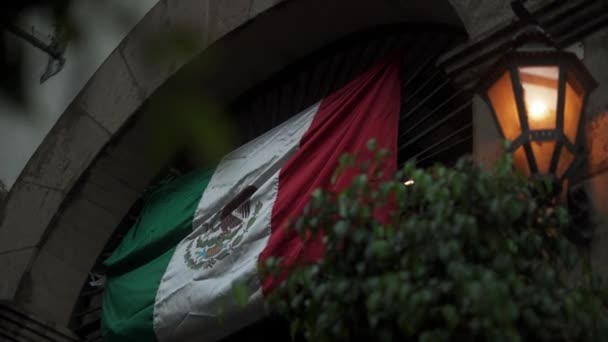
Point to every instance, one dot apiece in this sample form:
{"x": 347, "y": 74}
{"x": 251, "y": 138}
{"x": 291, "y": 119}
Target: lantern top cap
{"x": 533, "y": 37}
{"x": 532, "y": 46}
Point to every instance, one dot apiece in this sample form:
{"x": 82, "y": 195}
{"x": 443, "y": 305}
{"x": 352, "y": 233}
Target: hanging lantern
{"x": 538, "y": 93}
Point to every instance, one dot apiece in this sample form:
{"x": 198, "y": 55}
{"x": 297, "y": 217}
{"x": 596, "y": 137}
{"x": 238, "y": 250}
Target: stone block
{"x": 597, "y": 143}
{"x": 26, "y": 327}
{"x": 226, "y": 16}
{"x": 66, "y": 151}
{"x": 597, "y": 189}
{"x": 86, "y": 228}
{"x": 598, "y": 253}
{"x": 50, "y": 289}
{"x": 28, "y": 211}
{"x": 111, "y": 96}
{"x": 13, "y": 265}
{"x": 596, "y": 55}
{"x": 190, "y": 18}
{"x": 3, "y": 193}
{"x": 166, "y": 38}
{"x": 479, "y": 16}
{"x": 108, "y": 193}
{"x": 259, "y": 6}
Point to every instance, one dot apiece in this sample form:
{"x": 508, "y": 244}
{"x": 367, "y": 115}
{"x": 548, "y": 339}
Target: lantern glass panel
{"x": 521, "y": 161}
{"x": 565, "y": 159}
{"x": 572, "y": 107}
{"x": 540, "y": 85}
{"x": 543, "y": 153}
{"x": 503, "y": 101}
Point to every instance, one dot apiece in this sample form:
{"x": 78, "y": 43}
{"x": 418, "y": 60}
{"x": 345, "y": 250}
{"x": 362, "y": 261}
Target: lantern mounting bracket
{"x": 523, "y": 14}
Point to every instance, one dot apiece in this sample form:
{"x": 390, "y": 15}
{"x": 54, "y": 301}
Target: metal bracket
{"x": 578, "y": 49}
{"x": 55, "y": 47}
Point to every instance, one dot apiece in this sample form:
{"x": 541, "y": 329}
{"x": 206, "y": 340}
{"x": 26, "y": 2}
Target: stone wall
{"x": 19, "y": 326}
{"x": 482, "y": 16}
{"x": 597, "y": 189}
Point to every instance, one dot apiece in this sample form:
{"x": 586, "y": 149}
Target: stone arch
{"x": 85, "y": 176}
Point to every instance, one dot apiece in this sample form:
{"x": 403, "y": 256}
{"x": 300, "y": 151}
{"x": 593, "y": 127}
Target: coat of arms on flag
{"x": 224, "y": 233}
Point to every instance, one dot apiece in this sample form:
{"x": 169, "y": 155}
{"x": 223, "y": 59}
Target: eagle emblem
{"x": 223, "y": 234}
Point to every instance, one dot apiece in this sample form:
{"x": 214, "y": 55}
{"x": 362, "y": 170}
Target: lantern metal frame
{"x": 533, "y": 48}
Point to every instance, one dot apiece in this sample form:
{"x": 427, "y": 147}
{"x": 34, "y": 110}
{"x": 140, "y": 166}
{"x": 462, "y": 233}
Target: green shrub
{"x": 468, "y": 255}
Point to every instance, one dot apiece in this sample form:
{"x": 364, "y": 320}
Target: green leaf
{"x": 382, "y": 154}
{"x": 360, "y": 181}
{"x": 344, "y": 161}
{"x": 371, "y": 145}
{"x": 450, "y": 314}
{"x": 294, "y": 328}
{"x": 380, "y": 248}
{"x": 340, "y": 228}
{"x": 240, "y": 294}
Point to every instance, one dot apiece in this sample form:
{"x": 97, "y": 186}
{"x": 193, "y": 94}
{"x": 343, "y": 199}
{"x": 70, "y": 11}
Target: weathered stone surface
{"x": 24, "y": 327}
{"x": 12, "y": 265}
{"x": 480, "y": 16}
{"x": 596, "y": 55}
{"x": 259, "y": 6}
{"x": 597, "y": 142}
{"x": 168, "y": 36}
{"x": 597, "y": 189}
{"x": 112, "y": 95}
{"x": 71, "y": 248}
{"x": 225, "y": 16}
{"x": 66, "y": 152}
{"x": 191, "y": 19}
{"x": 3, "y": 193}
{"x": 487, "y": 142}
{"x": 599, "y": 251}
{"x": 50, "y": 289}
{"x": 28, "y": 212}
{"x": 108, "y": 193}
{"x": 83, "y": 226}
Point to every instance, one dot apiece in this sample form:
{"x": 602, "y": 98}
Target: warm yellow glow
{"x": 409, "y": 182}
{"x": 538, "y": 110}
{"x": 505, "y": 106}
{"x": 540, "y": 95}
{"x": 520, "y": 160}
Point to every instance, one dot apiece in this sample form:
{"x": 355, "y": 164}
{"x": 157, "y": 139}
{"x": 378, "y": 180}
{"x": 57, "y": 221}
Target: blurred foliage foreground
{"x": 467, "y": 255}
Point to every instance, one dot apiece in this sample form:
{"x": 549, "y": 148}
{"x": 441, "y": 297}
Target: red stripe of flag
{"x": 366, "y": 108}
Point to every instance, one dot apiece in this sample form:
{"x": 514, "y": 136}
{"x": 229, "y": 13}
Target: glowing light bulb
{"x": 409, "y": 182}
{"x": 538, "y": 110}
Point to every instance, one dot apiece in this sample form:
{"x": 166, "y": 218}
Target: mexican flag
{"x": 172, "y": 276}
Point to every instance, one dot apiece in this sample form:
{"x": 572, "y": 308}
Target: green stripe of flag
{"x": 135, "y": 268}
